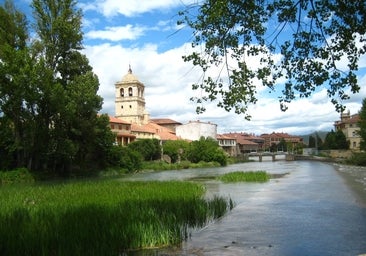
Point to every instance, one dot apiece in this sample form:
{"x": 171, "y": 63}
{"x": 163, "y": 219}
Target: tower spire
{"x": 129, "y": 69}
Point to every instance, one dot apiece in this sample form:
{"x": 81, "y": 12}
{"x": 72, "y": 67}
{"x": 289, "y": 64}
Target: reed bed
{"x": 101, "y": 218}
{"x": 240, "y": 176}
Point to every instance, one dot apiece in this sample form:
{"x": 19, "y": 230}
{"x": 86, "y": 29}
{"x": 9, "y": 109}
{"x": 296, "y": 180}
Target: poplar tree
{"x": 73, "y": 100}
{"x": 15, "y": 68}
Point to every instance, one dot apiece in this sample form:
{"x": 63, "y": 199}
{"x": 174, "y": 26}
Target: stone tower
{"x": 129, "y": 100}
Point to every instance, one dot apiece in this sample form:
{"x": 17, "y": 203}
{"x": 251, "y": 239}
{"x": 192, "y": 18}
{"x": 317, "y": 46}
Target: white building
{"x": 194, "y": 130}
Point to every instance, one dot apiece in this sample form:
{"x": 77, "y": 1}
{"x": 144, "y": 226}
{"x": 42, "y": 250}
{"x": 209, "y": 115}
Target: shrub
{"x": 20, "y": 175}
{"x": 357, "y": 159}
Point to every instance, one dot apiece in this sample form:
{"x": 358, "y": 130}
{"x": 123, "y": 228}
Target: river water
{"x": 311, "y": 210}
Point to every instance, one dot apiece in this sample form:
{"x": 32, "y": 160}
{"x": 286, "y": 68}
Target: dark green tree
{"x": 71, "y": 102}
{"x": 207, "y": 150}
{"x": 150, "y": 149}
{"x": 48, "y": 93}
{"x": 282, "y": 145}
{"x": 228, "y": 34}
{"x": 315, "y": 142}
{"x": 15, "y": 70}
{"x": 125, "y": 158}
{"x": 335, "y": 140}
{"x": 175, "y": 148}
{"x": 362, "y": 125}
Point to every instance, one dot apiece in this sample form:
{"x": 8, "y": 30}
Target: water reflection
{"x": 310, "y": 211}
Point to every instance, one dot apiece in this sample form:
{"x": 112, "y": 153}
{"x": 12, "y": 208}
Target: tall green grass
{"x": 239, "y": 176}
{"x": 101, "y": 218}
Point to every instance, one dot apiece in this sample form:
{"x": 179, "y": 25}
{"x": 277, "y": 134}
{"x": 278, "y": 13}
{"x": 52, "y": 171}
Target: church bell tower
{"x": 129, "y": 99}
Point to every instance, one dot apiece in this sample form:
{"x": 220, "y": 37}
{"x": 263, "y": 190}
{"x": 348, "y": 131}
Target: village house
{"x": 122, "y": 129}
{"x": 349, "y": 126}
{"x": 194, "y": 130}
{"x": 275, "y": 138}
{"x": 228, "y": 144}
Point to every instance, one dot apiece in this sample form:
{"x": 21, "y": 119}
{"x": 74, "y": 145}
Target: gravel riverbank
{"x": 355, "y": 177}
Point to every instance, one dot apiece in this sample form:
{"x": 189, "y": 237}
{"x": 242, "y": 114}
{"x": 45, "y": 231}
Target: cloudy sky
{"x": 144, "y": 34}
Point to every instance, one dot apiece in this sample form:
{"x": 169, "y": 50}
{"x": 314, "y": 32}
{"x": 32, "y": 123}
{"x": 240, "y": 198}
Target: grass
{"x": 101, "y": 217}
{"x": 161, "y": 165}
{"x": 239, "y": 176}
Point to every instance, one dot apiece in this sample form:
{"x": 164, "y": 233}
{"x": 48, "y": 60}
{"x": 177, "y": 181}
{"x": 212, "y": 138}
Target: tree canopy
{"x": 299, "y": 46}
{"x": 48, "y": 92}
{"x": 362, "y": 125}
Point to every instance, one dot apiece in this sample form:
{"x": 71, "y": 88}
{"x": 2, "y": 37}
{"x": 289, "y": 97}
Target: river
{"x": 311, "y": 210}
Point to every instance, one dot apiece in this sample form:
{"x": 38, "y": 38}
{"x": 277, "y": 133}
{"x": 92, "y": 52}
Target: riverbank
{"x": 355, "y": 177}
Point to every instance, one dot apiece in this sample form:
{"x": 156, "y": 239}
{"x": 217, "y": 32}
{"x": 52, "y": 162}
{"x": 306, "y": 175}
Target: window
{"x": 122, "y": 92}
{"x": 130, "y": 91}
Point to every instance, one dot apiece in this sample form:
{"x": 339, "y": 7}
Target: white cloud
{"x": 128, "y": 32}
{"x": 130, "y": 8}
{"x": 167, "y": 79}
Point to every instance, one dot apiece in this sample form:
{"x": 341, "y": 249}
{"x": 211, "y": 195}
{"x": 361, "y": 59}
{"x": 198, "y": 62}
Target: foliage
{"x": 161, "y": 165}
{"x": 362, "y": 125}
{"x": 207, "y": 150}
{"x": 48, "y": 93}
{"x": 65, "y": 219}
{"x": 335, "y": 140}
{"x": 125, "y": 158}
{"x": 240, "y": 44}
{"x": 150, "y": 149}
{"x": 239, "y": 176}
{"x": 20, "y": 175}
{"x": 358, "y": 158}
{"x": 282, "y": 145}
{"x": 176, "y": 149}
{"x": 315, "y": 142}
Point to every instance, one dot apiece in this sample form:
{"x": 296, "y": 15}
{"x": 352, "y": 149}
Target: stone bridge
{"x": 274, "y": 155}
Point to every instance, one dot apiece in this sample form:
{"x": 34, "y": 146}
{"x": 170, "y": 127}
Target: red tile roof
{"x": 164, "y": 121}
{"x": 153, "y": 128}
{"x": 117, "y": 120}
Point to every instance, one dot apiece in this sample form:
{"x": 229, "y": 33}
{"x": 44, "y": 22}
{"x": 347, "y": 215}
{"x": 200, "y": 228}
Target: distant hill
{"x": 321, "y": 135}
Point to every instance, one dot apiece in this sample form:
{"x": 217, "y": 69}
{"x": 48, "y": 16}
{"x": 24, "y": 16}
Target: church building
{"x": 130, "y": 108}
{"x": 130, "y": 101}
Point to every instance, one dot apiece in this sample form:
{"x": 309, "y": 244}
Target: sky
{"x": 144, "y": 34}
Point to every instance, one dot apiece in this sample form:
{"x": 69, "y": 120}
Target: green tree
{"x": 71, "y": 100}
{"x": 207, "y": 150}
{"x": 175, "y": 148}
{"x": 48, "y": 93}
{"x": 15, "y": 70}
{"x": 362, "y": 125}
{"x": 335, "y": 140}
{"x": 125, "y": 158}
{"x": 150, "y": 149}
{"x": 229, "y": 34}
{"x": 315, "y": 142}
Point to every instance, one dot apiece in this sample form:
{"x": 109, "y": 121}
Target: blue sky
{"x": 144, "y": 34}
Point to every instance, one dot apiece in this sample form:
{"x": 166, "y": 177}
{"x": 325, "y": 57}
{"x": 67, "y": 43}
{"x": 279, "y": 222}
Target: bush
{"x": 357, "y": 159}
{"x": 20, "y": 175}
{"x": 125, "y": 158}
{"x": 207, "y": 150}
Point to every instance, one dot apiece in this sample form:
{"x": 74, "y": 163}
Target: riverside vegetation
{"x": 104, "y": 217}
{"x": 240, "y": 176}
